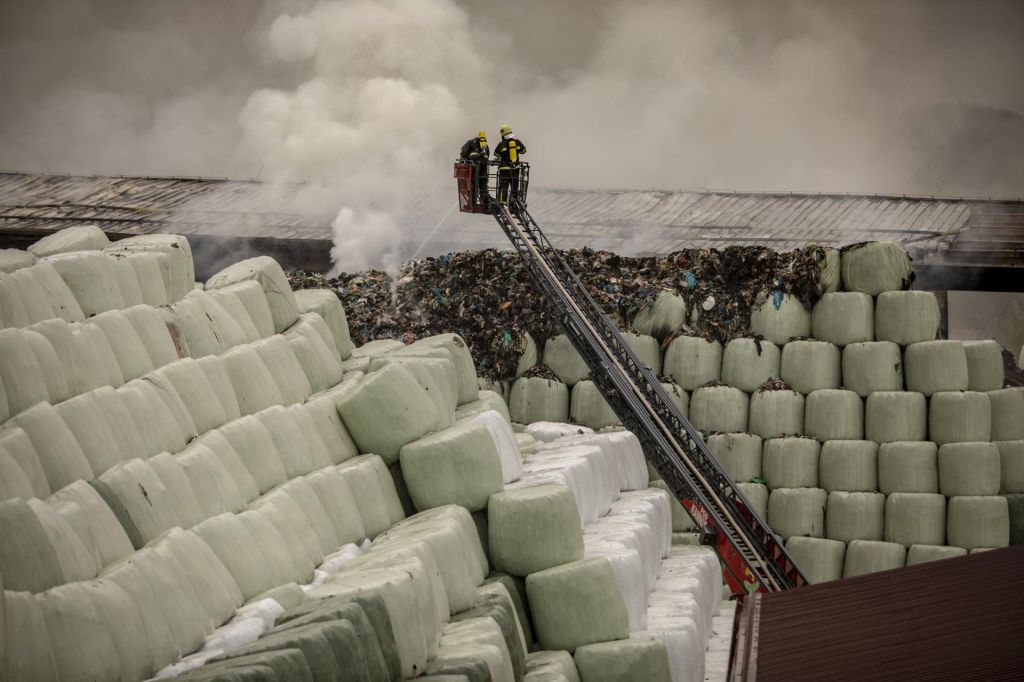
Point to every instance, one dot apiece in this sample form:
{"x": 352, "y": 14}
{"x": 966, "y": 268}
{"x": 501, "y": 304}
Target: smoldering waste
{"x": 489, "y": 298}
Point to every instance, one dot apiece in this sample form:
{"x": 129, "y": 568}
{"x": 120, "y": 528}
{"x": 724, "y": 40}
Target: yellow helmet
{"x": 506, "y": 129}
{"x": 482, "y": 135}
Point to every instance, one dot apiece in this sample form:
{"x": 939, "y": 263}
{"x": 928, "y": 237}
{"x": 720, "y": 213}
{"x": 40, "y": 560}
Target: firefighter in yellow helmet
{"x": 477, "y": 152}
{"x": 507, "y": 154}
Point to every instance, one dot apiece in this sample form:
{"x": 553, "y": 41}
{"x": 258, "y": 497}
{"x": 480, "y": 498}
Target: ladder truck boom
{"x": 753, "y": 558}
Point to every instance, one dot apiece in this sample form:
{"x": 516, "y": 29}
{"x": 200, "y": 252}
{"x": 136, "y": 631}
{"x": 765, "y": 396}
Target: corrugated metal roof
{"x": 633, "y": 221}
{"x": 955, "y": 619}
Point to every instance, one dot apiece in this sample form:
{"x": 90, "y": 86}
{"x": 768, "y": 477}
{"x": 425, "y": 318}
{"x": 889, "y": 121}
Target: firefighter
{"x": 477, "y": 152}
{"x": 507, "y": 154}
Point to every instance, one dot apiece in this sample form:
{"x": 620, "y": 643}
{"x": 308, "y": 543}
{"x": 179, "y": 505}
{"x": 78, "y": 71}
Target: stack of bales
{"x": 210, "y": 481}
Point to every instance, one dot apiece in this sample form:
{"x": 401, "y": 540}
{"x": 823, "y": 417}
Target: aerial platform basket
{"x": 471, "y": 202}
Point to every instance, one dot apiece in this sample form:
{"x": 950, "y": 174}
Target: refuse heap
{"x": 489, "y": 298}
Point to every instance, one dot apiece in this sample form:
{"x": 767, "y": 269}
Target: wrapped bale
{"x": 127, "y": 281}
{"x": 891, "y": 416}
{"x": 551, "y": 666}
{"x": 797, "y": 511}
{"x": 434, "y": 375}
{"x": 984, "y": 365}
{"x": 739, "y": 454}
{"x": 154, "y": 334}
{"x": 960, "y": 417}
{"x": 459, "y": 465}
{"x": 251, "y": 380}
{"x": 152, "y": 271}
{"x": 631, "y": 659}
{"x": 780, "y": 319}
{"x": 748, "y": 363}
{"x": 52, "y": 286}
{"x": 530, "y": 355}
{"x": 908, "y": 467}
{"x": 12, "y": 260}
{"x": 854, "y": 516}
{"x": 681, "y": 521}
{"x": 719, "y": 408}
{"x": 791, "y": 462}
{"x": 680, "y": 397}
{"x": 876, "y": 267}
{"x": 968, "y": 469}
{"x": 59, "y": 454}
{"x": 16, "y": 443}
{"x": 27, "y": 291}
{"x": 692, "y": 361}
{"x": 872, "y": 367}
{"x": 181, "y": 269}
{"x": 833, "y": 414}
{"x": 13, "y": 481}
{"x": 21, "y": 377}
{"x": 564, "y": 360}
{"x": 91, "y": 278}
{"x": 532, "y": 529}
{"x": 589, "y": 407}
{"x": 325, "y": 302}
{"x": 907, "y": 317}
{"x": 915, "y": 519}
{"x": 849, "y": 465}
{"x": 535, "y": 399}
{"x": 1007, "y": 409}
{"x": 661, "y": 317}
{"x": 1011, "y": 466}
{"x": 821, "y": 560}
{"x": 462, "y": 359}
{"x": 843, "y": 318}
{"x": 646, "y": 348}
{"x": 75, "y": 238}
{"x": 576, "y": 604}
{"x": 776, "y": 413}
{"x": 33, "y": 557}
{"x": 933, "y": 366}
{"x": 867, "y": 556}
{"x": 265, "y": 271}
{"x": 387, "y": 410}
{"x": 920, "y": 554}
{"x": 757, "y": 496}
{"x": 973, "y": 522}
{"x": 808, "y": 366}
{"x": 278, "y": 356}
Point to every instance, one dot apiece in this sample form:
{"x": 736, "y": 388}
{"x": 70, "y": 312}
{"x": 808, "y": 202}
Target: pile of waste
{"x": 488, "y": 296}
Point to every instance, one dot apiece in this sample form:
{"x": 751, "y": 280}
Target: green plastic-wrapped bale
{"x": 933, "y": 366}
{"x": 876, "y": 267}
{"x": 868, "y": 556}
{"x": 739, "y": 454}
{"x": 535, "y": 399}
{"x": 531, "y": 529}
{"x": 891, "y": 416}
{"x": 748, "y": 363}
{"x": 459, "y": 465}
{"x": 849, "y": 465}
{"x": 647, "y": 349}
{"x": 854, "y": 516}
{"x": 959, "y": 417}
{"x": 692, "y": 361}
{"x": 834, "y": 414}
{"x": 843, "y": 318}
{"x": 978, "y": 521}
{"x": 564, "y": 360}
{"x": 907, "y": 317}
{"x": 631, "y": 659}
{"x": 681, "y": 521}
{"x": 757, "y": 496}
{"x": 462, "y": 359}
{"x": 915, "y": 519}
{"x": 1007, "y": 407}
{"x": 326, "y": 303}
{"x": 677, "y": 395}
{"x": 265, "y": 271}
{"x": 968, "y": 469}
{"x": 811, "y": 365}
{"x": 575, "y": 604}
{"x": 871, "y": 367}
{"x": 775, "y": 414}
{"x": 551, "y": 666}
{"x": 1011, "y": 464}
{"x": 908, "y": 467}
{"x": 791, "y": 462}
{"x": 797, "y": 511}
{"x": 662, "y": 316}
{"x": 782, "y": 322}
{"x": 984, "y": 365}
{"x": 819, "y": 559}
{"x": 919, "y": 554}
{"x": 719, "y": 408}
{"x": 590, "y": 408}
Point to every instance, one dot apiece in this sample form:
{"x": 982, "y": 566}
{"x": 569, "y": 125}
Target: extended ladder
{"x": 752, "y": 557}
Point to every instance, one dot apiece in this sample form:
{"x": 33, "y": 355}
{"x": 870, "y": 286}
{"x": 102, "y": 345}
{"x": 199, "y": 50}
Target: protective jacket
{"x": 509, "y": 150}
{"x": 475, "y": 149}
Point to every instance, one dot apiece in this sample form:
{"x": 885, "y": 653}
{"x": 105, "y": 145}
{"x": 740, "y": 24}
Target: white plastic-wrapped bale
{"x": 225, "y": 328}
{"x": 181, "y": 270}
{"x": 872, "y": 367}
{"x": 719, "y": 408}
{"x": 504, "y": 441}
{"x": 462, "y": 359}
{"x": 678, "y": 396}
{"x": 32, "y": 557}
{"x": 251, "y": 296}
{"x": 229, "y": 536}
{"x": 327, "y": 421}
{"x": 646, "y": 348}
{"x": 91, "y": 429}
{"x": 662, "y": 316}
{"x": 692, "y": 361}
{"x": 153, "y": 332}
{"x": 849, "y": 465}
{"x": 314, "y": 348}
{"x": 960, "y": 417}
{"x": 195, "y": 391}
{"x": 459, "y": 465}
{"x": 213, "y": 370}
{"x": 854, "y": 516}
{"x": 234, "y": 307}
{"x": 635, "y": 659}
{"x": 90, "y": 276}
{"x": 776, "y": 413}
{"x": 589, "y": 407}
{"x": 1011, "y": 461}
{"x": 739, "y": 454}
{"x": 326, "y": 303}
{"x": 968, "y": 469}
{"x": 26, "y": 287}
{"x": 920, "y": 554}
{"x": 278, "y": 356}
{"x": 876, "y": 267}
{"x": 797, "y": 511}
{"x": 891, "y": 416}
{"x": 907, "y": 317}
{"x": 249, "y": 438}
{"x": 386, "y": 410}
{"x": 16, "y": 443}
{"x": 535, "y": 399}
{"x": 757, "y": 495}
{"x": 531, "y": 529}
{"x": 61, "y": 338}
{"x": 96, "y": 353}
{"x": 14, "y": 483}
{"x": 251, "y": 380}
{"x": 984, "y": 365}
{"x": 973, "y": 522}
{"x": 488, "y": 401}
{"x": 374, "y": 489}
{"x": 843, "y": 318}
{"x": 831, "y": 278}
{"x": 128, "y": 347}
{"x": 21, "y": 377}
{"x": 127, "y": 280}
{"x": 1007, "y": 409}
{"x": 681, "y": 521}
{"x": 435, "y": 376}
{"x": 933, "y": 366}
{"x": 12, "y": 260}
{"x": 576, "y": 604}
{"x": 780, "y": 318}
{"x": 269, "y": 275}
{"x": 75, "y": 238}
{"x": 819, "y": 559}
{"x": 748, "y": 363}
{"x": 915, "y": 519}
{"x": 61, "y": 299}
{"x": 549, "y": 666}
{"x": 564, "y": 360}
{"x": 153, "y": 273}
{"x": 52, "y": 370}
{"x": 791, "y": 462}
{"x": 289, "y": 441}
{"x": 140, "y": 500}
{"x": 61, "y": 458}
{"x": 12, "y": 303}
{"x": 196, "y": 328}
{"x": 833, "y": 414}
{"x": 908, "y": 467}
{"x": 868, "y": 556}
{"x": 808, "y": 366}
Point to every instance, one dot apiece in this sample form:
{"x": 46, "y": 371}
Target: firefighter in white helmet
{"x": 507, "y": 154}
